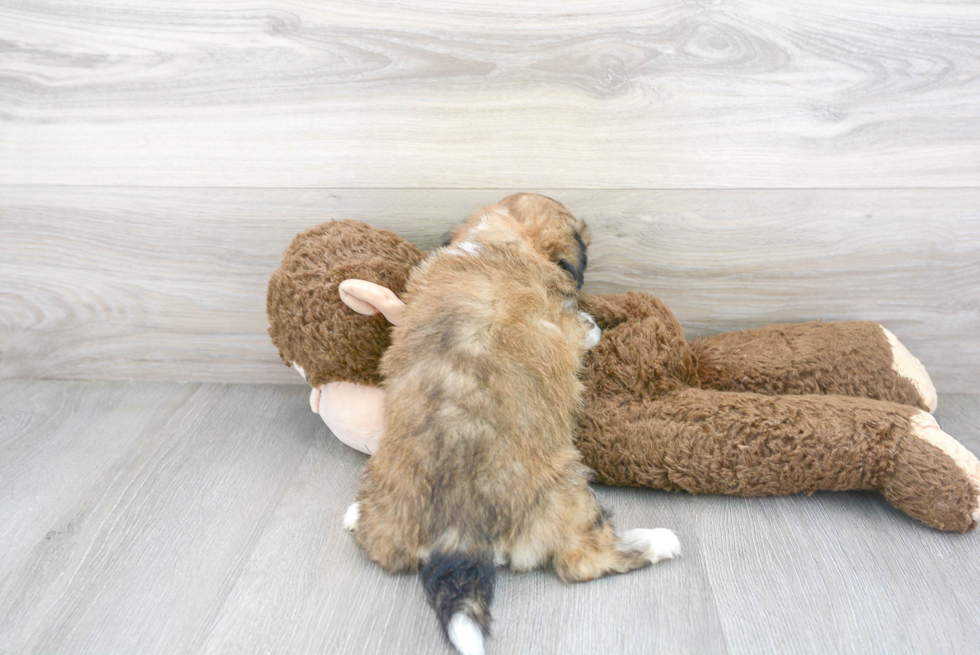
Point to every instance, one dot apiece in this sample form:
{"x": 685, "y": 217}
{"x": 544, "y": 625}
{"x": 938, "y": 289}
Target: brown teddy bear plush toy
{"x": 779, "y": 410}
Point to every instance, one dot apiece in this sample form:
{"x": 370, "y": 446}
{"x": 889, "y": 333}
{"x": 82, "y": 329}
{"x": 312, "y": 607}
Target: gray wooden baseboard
{"x": 103, "y": 283}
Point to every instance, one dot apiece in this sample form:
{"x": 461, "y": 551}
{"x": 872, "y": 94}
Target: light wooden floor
{"x": 156, "y": 517}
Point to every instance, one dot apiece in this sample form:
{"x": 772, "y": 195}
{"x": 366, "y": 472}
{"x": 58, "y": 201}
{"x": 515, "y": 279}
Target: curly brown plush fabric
{"x": 847, "y": 359}
{"x": 780, "y": 410}
{"x": 308, "y": 322}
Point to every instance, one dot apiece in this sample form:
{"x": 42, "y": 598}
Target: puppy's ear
{"x": 578, "y": 274}
{"x": 448, "y": 237}
{"x": 576, "y": 258}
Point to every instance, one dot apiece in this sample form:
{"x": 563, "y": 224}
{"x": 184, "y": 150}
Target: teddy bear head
{"x": 308, "y": 321}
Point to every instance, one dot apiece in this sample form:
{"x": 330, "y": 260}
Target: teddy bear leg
{"x": 744, "y": 444}
{"x": 853, "y": 358}
{"x": 934, "y": 478}
{"x": 747, "y": 444}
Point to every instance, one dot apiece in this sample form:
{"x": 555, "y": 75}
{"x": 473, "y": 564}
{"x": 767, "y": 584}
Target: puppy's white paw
{"x": 594, "y": 334}
{"x": 657, "y": 544}
{"x": 352, "y": 516}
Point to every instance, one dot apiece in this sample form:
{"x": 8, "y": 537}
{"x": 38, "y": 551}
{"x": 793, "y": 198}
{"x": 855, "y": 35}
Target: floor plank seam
{"x": 248, "y": 553}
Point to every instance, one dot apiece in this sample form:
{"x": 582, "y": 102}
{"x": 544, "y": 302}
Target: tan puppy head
{"x": 545, "y": 224}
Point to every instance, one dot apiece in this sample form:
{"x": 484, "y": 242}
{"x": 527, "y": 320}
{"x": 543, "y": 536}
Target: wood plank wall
{"x": 748, "y": 161}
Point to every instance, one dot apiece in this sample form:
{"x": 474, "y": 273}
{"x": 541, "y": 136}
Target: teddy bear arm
{"x": 610, "y": 310}
{"x": 746, "y": 444}
{"x": 855, "y": 358}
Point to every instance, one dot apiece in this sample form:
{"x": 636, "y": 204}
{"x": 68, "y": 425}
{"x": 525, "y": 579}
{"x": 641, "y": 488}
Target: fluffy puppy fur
{"x": 478, "y": 467}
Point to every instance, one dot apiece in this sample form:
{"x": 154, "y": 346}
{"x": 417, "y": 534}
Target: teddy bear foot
{"x": 935, "y": 478}
{"x": 909, "y": 367}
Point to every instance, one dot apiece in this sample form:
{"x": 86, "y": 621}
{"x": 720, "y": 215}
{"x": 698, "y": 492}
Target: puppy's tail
{"x": 459, "y": 587}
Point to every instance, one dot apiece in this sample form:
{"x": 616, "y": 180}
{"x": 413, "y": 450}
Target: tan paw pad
{"x": 909, "y": 367}
{"x": 925, "y": 427}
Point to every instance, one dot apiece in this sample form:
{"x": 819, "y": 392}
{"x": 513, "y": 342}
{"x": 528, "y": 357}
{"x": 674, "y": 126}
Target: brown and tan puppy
{"x": 478, "y": 467}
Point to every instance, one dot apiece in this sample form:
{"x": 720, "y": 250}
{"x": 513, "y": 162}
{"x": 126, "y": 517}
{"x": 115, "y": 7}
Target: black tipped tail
{"x": 459, "y": 587}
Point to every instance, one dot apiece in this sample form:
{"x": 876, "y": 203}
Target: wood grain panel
{"x": 165, "y": 496}
{"x": 833, "y": 573}
{"x": 443, "y": 94}
{"x": 170, "y": 284}
{"x": 206, "y": 519}
{"x": 46, "y": 464}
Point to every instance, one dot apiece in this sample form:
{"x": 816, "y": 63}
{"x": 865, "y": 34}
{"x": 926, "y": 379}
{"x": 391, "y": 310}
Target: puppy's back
{"x": 482, "y": 395}
{"x": 481, "y": 389}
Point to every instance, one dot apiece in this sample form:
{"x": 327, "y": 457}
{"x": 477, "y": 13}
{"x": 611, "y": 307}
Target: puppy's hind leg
{"x": 383, "y": 543}
{"x": 593, "y": 548}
